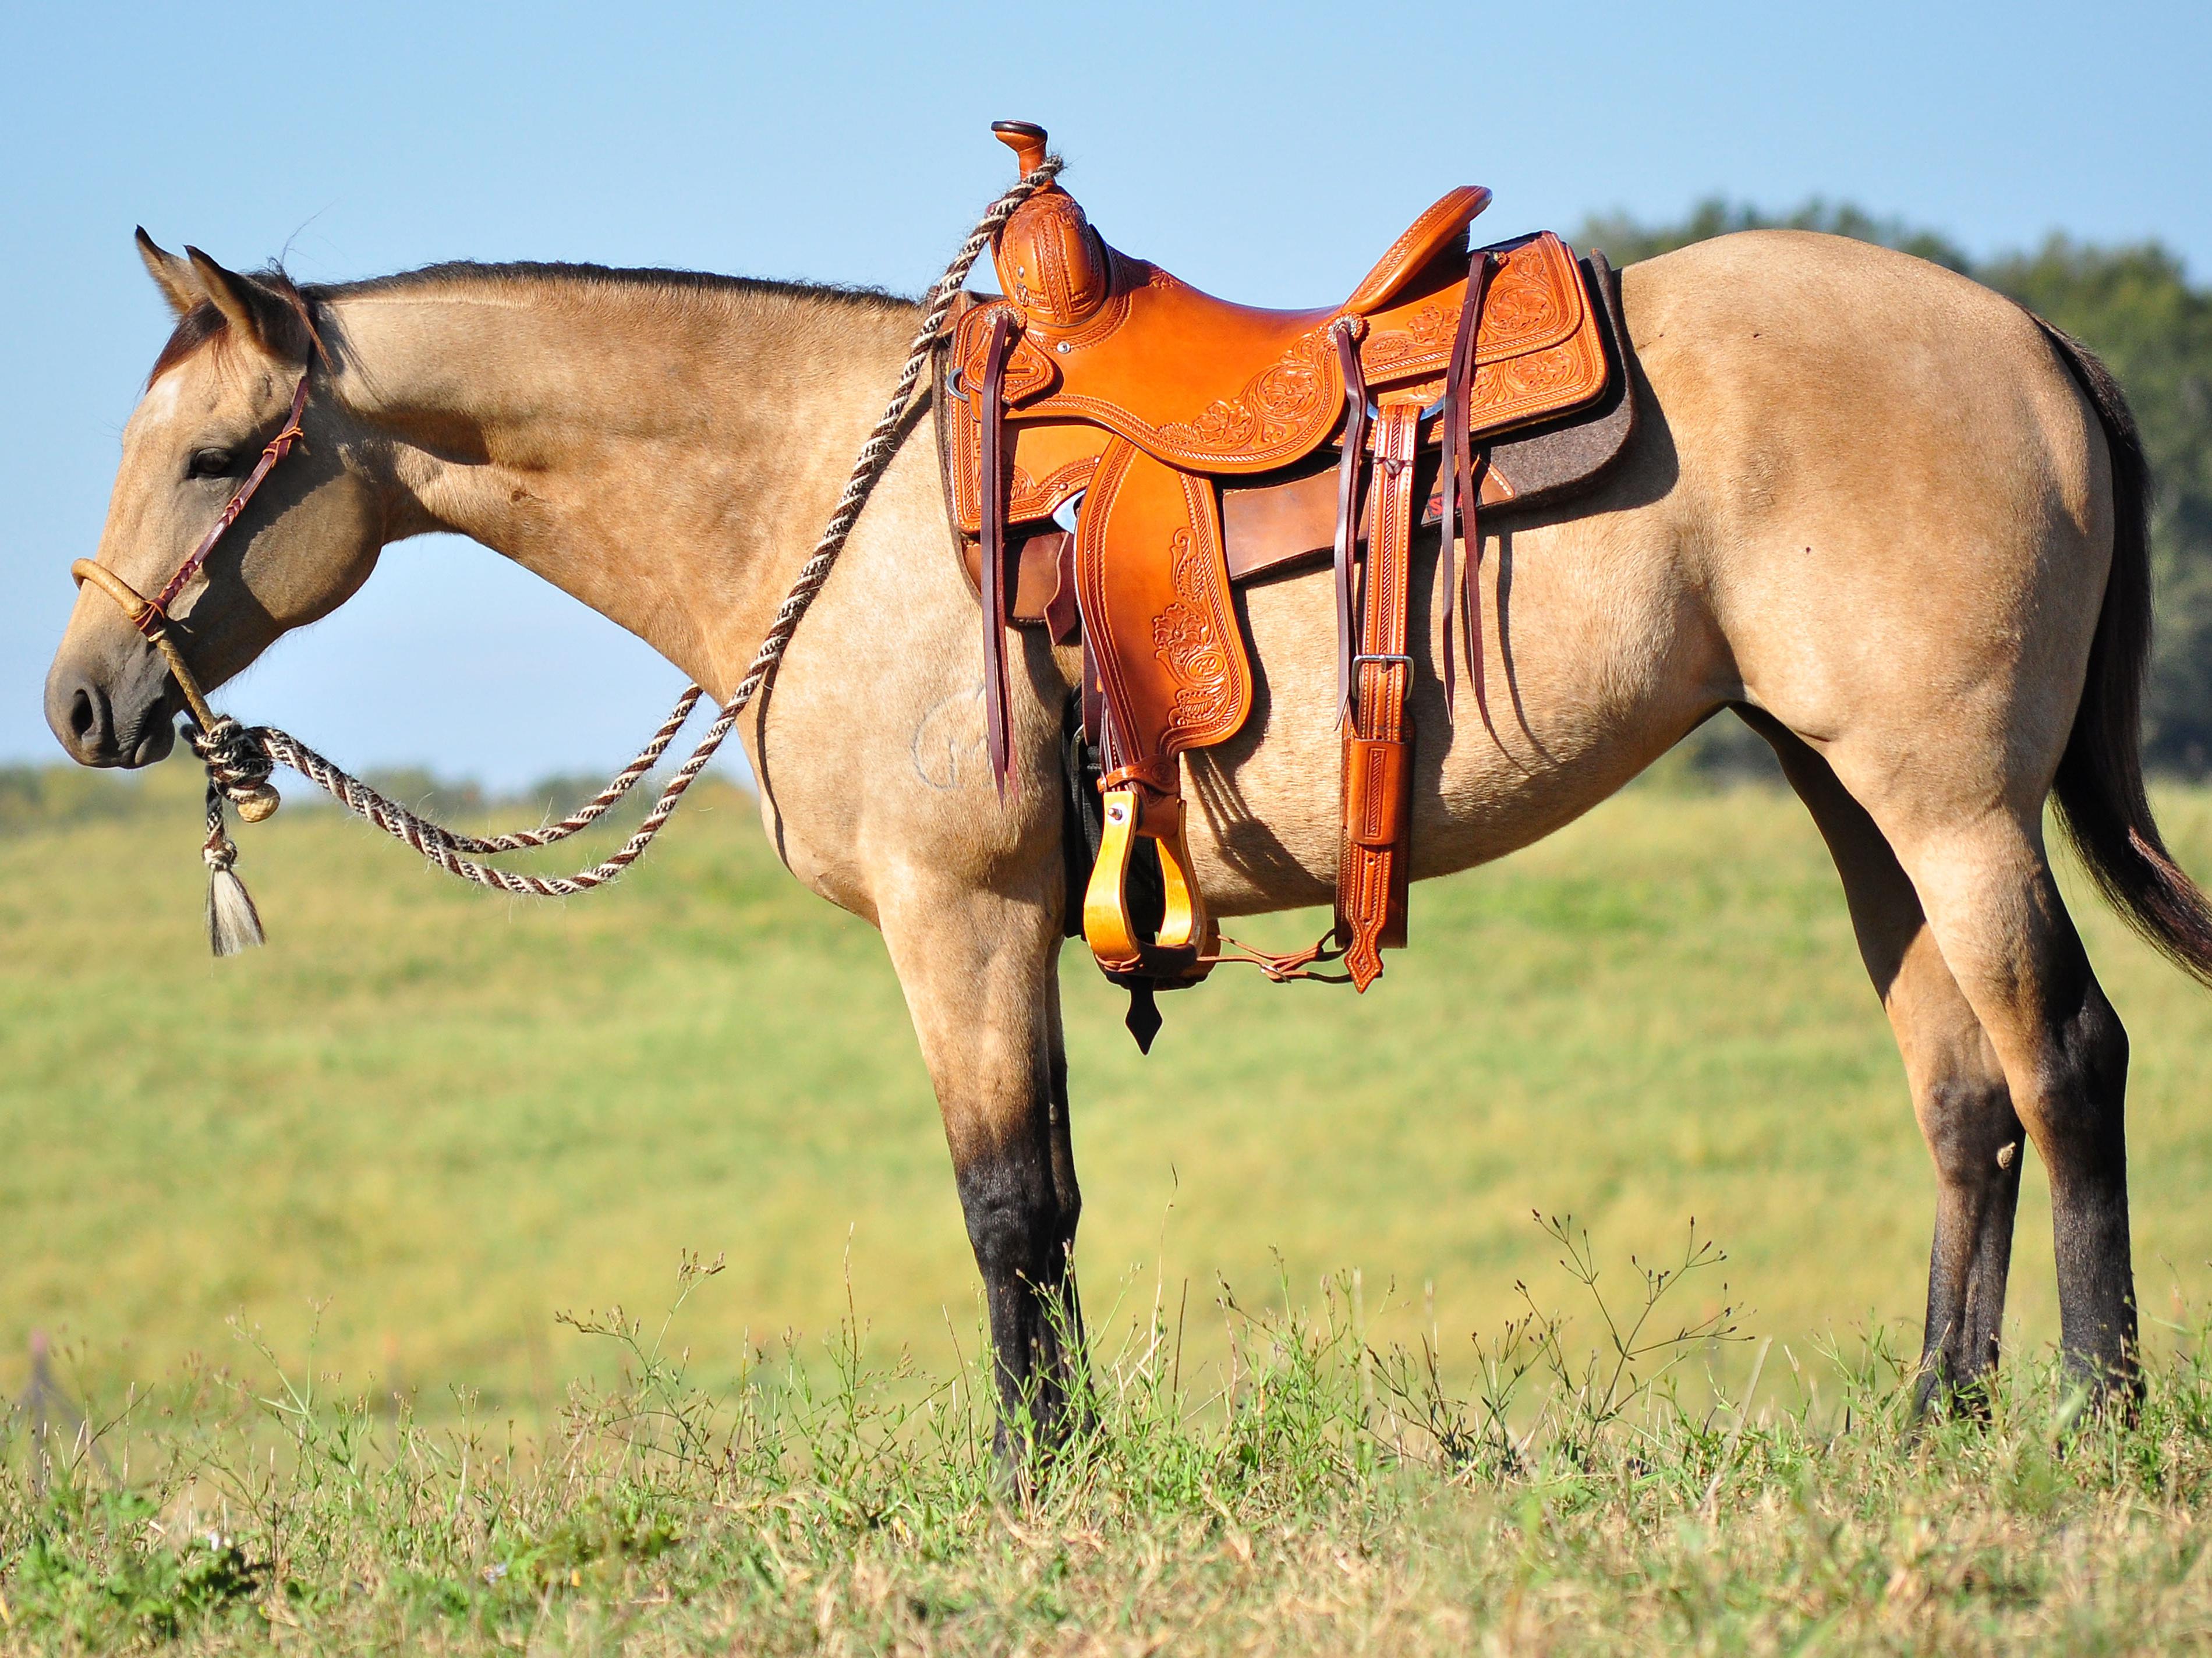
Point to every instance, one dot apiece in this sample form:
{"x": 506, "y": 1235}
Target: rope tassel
{"x": 234, "y": 924}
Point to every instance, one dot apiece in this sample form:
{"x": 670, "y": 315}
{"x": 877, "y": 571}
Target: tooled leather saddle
{"x": 1198, "y": 443}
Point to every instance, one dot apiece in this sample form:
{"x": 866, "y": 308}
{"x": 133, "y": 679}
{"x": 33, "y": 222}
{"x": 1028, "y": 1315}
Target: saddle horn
{"x": 1026, "y": 139}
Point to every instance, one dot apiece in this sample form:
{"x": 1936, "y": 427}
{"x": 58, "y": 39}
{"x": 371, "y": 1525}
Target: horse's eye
{"x": 209, "y": 463}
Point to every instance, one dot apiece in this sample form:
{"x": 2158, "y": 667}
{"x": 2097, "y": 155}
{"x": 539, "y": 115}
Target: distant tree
{"x": 1625, "y": 240}
{"x": 2135, "y": 307}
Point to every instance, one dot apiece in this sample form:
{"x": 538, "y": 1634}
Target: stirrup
{"x": 1187, "y": 934}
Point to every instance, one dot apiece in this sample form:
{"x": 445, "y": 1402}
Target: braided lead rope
{"x": 238, "y": 758}
{"x": 592, "y": 810}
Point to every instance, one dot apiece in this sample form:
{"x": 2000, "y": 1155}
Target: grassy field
{"x": 391, "y": 1146}
{"x": 440, "y": 1117}
{"x": 1316, "y": 1498}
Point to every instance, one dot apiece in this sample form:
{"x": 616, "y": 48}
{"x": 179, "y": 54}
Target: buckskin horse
{"x": 1893, "y": 519}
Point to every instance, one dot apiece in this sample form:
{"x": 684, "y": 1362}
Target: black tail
{"x": 2100, "y": 787}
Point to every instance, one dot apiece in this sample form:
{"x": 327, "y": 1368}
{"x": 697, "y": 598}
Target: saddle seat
{"x": 1199, "y": 381}
{"x": 1100, "y": 376}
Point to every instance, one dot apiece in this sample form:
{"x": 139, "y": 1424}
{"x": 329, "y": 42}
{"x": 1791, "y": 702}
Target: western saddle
{"x": 1199, "y": 442}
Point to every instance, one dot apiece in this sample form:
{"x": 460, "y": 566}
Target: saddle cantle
{"x": 1167, "y": 414}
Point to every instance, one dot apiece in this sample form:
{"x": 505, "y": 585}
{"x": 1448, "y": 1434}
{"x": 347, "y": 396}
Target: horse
{"x": 1893, "y": 519}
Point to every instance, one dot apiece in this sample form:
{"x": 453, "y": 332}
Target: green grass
{"x": 1317, "y": 1497}
{"x": 448, "y": 1115}
{"x": 424, "y": 1121}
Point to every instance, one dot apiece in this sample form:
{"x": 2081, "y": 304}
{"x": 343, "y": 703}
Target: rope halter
{"x": 238, "y": 758}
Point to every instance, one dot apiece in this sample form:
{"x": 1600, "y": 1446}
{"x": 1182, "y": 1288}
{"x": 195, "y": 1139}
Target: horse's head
{"x": 218, "y": 394}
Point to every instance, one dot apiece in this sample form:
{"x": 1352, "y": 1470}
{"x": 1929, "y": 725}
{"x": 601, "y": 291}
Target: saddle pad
{"x": 1540, "y": 352}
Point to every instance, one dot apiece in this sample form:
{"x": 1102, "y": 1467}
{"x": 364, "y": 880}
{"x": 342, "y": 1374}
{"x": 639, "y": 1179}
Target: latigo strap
{"x": 998, "y": 720}
{"x": 1371, "y": 882}
{"x": 1349, "y": 465}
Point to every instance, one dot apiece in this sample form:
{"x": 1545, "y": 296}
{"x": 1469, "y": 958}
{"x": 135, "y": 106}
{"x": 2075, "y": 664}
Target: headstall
{"x": 150, "y": 616}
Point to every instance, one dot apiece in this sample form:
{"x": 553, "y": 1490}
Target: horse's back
{"x": 1863, "y": 492}
{"x": 1860, "y": 356}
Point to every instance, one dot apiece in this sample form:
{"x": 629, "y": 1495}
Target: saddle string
{"x": 239, "y": 758}
{"x": 1351, "y": 466}
{"x": 1457, "y": 592}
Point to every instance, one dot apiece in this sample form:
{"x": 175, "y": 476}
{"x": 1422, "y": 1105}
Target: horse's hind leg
{"x": 2005, "y": 932}
{"x": 1959, "y": 1090}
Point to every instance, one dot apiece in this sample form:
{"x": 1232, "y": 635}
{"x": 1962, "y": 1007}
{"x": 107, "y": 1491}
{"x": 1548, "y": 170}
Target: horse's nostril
{"x": 80, "y": 715}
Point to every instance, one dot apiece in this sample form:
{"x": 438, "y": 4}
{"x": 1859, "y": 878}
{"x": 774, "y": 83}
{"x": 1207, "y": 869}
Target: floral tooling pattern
{"x": 1189, "y": 645}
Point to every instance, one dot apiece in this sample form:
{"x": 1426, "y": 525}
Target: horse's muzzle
{"x": 117, "y": 719}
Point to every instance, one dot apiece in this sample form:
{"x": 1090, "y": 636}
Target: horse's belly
{"x": 1600, "y": 666}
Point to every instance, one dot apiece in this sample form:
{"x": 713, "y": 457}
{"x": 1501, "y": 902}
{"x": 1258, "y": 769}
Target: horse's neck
{"x": 666, "y": 457}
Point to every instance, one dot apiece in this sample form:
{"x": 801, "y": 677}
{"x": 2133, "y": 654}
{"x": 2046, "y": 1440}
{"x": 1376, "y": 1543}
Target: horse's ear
{"x": 179, "y": 286}
{"x": 246, "y": 306}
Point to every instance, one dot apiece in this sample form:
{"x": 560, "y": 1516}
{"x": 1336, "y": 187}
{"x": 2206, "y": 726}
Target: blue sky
{"x": 1265, "y": 151}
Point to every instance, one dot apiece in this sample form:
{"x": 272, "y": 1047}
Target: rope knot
{"x": 238, "y": 763}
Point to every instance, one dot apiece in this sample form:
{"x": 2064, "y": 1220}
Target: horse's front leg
{"x": 980, "y": 972}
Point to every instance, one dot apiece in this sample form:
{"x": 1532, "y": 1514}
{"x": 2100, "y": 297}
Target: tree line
{"x": 2135, "y": 307}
